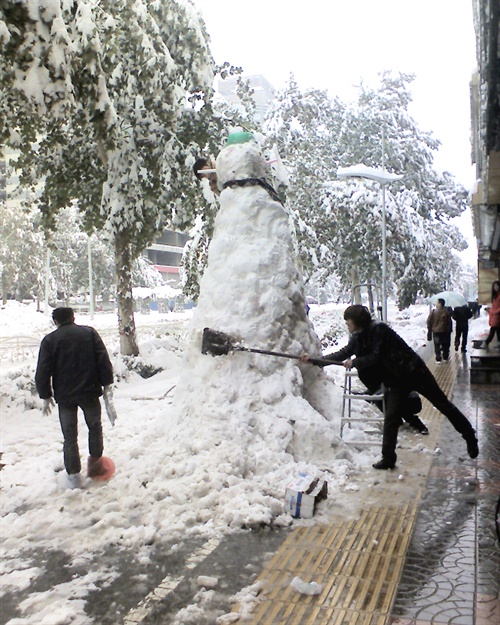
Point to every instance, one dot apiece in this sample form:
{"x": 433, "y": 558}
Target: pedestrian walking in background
{"x": 461, "y": 315}
{"x": 383, "y": 357}
{"x": 73, "y": 367}
{"x": 494, "y": 314}
{"x": 439, "y": 330}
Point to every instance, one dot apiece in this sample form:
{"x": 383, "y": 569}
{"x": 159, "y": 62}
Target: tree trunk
{"x": 356, "y": 292}
{"x": 370, "y": 298}
{"x": 4, "y": 288}
{"x": 126, "y": 322}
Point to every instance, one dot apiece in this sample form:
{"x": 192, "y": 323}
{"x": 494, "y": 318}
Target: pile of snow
{"x": 17, "y": 319}
{"x": 264, "y": 417}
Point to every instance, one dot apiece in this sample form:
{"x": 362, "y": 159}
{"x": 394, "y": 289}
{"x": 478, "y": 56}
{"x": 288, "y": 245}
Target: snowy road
{"x": 139, "y": 590}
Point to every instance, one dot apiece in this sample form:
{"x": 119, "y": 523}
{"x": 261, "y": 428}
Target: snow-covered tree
{"x": 306, "y": 127}
{"x": 22, "y": 252}
{"x": 145, "y": 274}
{"x": 338, "y": 222}
{"x": 381, "y": 132}
{"x": 106, "y": 102}
{"x": 69, "y": 258}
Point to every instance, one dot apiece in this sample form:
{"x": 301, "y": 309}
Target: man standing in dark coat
{"x": 382, "y": 357}
{"x": 461, "y": 315}
{"x": 73, "y": 367}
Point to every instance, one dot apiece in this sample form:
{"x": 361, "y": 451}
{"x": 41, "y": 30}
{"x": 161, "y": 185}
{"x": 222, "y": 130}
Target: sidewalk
{"x": 421, "y": 555}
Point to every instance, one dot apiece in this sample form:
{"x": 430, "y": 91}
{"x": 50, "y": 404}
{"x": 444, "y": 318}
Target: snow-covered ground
{"x": 205, "y": 445}
{"x": 163, "y": 488}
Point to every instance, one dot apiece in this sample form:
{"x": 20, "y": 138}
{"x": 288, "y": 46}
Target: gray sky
{"x": 334, "y": 44}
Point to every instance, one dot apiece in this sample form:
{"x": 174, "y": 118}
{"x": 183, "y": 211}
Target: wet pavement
{"x": 452, "y": 572}
{"x": 153, "y": 591}
{"x": 420, "y": 555}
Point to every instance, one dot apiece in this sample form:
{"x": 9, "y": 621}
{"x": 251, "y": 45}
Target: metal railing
{"x": 18, "y": 348}
{"x": 25, "y": 348}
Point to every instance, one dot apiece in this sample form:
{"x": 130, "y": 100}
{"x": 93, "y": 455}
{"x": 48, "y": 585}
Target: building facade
{"x": 485, "y": 113}
{"x": 166, "y": 254}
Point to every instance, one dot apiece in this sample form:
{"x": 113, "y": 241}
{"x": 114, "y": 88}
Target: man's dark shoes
{"x": 424, "y": 431}
{"x": 384, "y": 465}
{"x": 472, "y": 447}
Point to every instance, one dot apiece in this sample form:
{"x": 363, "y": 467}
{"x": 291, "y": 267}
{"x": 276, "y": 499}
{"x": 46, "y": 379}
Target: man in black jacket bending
{"x": 382, "y": 357}
{"x": 73, "y": 367}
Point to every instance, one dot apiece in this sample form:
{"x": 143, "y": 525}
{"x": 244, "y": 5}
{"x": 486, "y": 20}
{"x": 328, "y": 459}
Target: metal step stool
{"x": 350, "y": 396}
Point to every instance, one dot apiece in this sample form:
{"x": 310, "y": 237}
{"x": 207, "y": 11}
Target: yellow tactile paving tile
{"x": 286, "y": 614}
{"x": 358, "y": 566}
{"x": 358, "y": 562}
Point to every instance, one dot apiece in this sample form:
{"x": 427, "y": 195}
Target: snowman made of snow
{"x": 252, "y": 289}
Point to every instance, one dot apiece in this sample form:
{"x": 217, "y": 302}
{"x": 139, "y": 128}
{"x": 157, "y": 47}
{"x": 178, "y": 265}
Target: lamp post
{"x": 91, "y": 281}
{"x": 47, "y": 281}
{"x": 383, "y": 178}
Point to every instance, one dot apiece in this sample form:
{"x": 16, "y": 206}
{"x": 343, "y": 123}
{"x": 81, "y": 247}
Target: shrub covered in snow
{"x": 18, "y": 386}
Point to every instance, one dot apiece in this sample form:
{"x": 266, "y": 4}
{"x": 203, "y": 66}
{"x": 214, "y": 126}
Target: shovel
{"x": 218, "y": 343}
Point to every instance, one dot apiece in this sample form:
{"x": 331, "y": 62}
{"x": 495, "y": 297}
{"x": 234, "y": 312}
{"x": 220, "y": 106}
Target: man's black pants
{"x": 422, "y": 381}
{"x": 461, "y": 332}
{"x": 68, "y": 417}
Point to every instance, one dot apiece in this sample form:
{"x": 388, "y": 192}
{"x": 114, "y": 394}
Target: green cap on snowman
{"x": 238, "y": 135}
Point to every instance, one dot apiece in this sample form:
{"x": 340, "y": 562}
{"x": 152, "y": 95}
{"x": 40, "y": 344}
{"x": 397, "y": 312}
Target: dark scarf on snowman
{"x": 251, "y": 182}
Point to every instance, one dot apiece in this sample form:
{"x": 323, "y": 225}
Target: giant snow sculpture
{"x": 261, "y": 409}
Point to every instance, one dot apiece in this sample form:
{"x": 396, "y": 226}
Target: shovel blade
{"x": 215, "y": 343}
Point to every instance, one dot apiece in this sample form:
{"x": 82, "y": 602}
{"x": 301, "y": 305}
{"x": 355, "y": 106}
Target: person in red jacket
{"x": 73, "y": 367}
{"x": 494, "y": 314}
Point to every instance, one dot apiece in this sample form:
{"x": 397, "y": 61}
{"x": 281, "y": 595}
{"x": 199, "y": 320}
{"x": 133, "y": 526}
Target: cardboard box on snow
{"x": 302, "y": 495}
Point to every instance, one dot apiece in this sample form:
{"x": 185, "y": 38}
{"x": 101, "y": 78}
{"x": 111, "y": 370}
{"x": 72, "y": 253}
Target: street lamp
{"x": 91, "y": 281}
{"x": 47, "y": 281}
{"x": 383, "y": 178}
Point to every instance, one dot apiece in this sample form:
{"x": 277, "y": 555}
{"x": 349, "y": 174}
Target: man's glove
{"x": 48, "y": 404}
{"x": 109, "y": 405}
